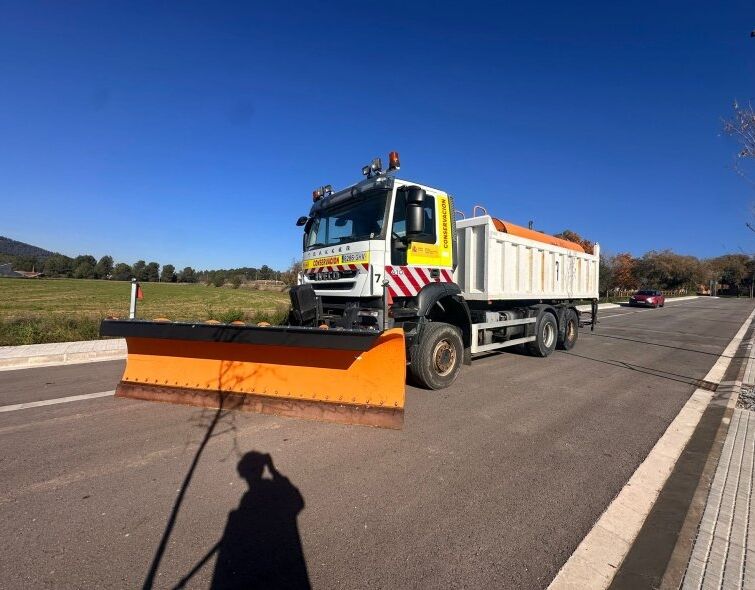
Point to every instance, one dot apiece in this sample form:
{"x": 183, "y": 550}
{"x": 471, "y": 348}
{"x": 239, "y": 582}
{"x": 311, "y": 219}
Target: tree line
{"x": 665, "y": 270}
{"x": 732, "y": 274}
{"x": 87, "y": 266}
{"x": 668, "y": 271}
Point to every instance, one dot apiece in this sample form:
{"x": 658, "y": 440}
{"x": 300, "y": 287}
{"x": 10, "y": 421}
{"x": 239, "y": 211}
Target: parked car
{"x": 648, "y": 297}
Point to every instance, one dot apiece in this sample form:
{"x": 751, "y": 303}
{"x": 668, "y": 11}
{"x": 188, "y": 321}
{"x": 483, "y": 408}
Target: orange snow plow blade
{"x": 347, "y": 376}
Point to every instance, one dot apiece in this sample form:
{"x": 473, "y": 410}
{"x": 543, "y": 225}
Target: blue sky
{"x": 193, "y": 133}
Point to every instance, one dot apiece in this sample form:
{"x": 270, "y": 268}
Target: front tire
{"x": 568, "y": 337}
{"x": 546, "y": 335}
{"x": 438, "y": 357}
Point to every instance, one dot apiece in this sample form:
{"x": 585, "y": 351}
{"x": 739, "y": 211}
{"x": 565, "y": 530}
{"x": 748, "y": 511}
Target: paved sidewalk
{"x": 723, "y": 556}
{"x": 61, "y": 353}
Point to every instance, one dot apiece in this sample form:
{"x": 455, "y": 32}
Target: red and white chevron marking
{"x": 360, "y": 266}
{"x": 407, "y": 281}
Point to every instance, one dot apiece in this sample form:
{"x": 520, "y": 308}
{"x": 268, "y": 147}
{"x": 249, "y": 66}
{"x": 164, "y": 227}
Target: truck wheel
{"x": 546, "y": 335}
{"x": 568, "y": 338}
{"x": 438, "y": 358}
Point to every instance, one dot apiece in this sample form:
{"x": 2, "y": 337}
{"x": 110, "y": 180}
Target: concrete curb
{"x": 61, "y": 353}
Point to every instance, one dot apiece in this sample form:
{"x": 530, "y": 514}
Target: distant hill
{"x": 16, "y": 248}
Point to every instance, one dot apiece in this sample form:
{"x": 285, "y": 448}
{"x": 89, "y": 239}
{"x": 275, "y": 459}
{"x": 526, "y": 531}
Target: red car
{"x": 648, "y": 297}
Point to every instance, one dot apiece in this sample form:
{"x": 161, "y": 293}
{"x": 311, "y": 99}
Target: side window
{"x": 399, "y": 215}
{"x": 398, "y": 227}
{"x": 398, "y": 230}
{"x": 431, "y": 233}
{"x": 399, "y": 219}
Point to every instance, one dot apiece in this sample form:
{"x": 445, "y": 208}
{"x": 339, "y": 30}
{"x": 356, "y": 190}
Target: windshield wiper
{"x": 316, "y": 245}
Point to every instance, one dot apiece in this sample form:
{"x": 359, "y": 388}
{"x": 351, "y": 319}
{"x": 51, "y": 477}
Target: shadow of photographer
{"x": 260, "y": 546}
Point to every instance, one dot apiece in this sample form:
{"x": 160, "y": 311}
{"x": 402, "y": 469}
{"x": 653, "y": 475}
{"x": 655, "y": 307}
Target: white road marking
{"x": 598, "y": 557}
{"x": 615, "y": 315}
{"x": 57, "y": 400}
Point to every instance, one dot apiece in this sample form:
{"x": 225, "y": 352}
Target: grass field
{"x": 60, "y": 310}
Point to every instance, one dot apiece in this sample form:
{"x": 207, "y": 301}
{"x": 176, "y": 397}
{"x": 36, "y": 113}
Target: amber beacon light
{"x": 393, "y": 161}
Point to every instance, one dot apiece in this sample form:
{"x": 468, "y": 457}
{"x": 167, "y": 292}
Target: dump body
{"x": 497, "y": 266}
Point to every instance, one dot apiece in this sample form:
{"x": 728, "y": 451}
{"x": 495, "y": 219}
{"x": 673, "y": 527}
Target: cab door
{"x": 425, "y": 258}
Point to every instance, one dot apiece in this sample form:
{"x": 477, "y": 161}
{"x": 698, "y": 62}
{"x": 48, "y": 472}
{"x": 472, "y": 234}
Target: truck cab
{"x": 385, "y": 253}
{"x": 381, "y": 236}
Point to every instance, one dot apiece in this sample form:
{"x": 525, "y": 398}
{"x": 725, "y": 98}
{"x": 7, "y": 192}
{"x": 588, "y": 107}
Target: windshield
{"x": 357, "y": 219}
{"x": 645, "y": 292}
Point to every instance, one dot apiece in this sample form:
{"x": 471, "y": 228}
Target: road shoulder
{"x": 600, "y": 557}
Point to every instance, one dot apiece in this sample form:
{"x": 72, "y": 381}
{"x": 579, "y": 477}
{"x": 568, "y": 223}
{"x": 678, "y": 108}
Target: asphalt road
{"x": 491, "y": 483}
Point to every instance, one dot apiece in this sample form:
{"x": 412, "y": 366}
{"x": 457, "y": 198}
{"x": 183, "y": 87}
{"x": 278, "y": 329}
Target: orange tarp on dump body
{"x": 531, "y": 234}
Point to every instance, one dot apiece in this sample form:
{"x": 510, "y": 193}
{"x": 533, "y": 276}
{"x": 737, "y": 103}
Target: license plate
{"x": 325, "y": 276}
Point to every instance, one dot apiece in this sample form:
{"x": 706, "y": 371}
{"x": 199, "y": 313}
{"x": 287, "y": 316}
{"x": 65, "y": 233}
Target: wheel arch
{"x": 444, "y": 302}
{"x": 556, "y": 310}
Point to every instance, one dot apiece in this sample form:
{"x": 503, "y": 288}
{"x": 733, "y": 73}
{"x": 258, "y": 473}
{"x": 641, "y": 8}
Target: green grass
{"x": 59, "y": 310}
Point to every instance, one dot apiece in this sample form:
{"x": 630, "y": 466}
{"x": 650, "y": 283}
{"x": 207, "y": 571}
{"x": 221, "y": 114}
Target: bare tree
{"x": 741, "y": 127}
{"x": 291, "y": 276}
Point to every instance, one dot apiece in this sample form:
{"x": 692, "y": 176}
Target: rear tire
{"x": 546, "y": 335}
{"x": 438, "y": 357}
{"x": 568, "y": 337}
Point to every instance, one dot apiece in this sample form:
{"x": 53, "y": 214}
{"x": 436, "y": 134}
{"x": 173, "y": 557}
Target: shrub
{"x": 38, "y": 330}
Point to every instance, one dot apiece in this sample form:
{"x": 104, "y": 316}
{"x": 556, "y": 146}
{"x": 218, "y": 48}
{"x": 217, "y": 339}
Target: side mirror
{"x": 301, "y": 221}
{"x": 415, "y": 214}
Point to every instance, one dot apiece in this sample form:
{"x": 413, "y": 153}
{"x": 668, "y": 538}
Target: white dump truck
{"x": 387, "y": 253}
{"x": 390, "y": 279}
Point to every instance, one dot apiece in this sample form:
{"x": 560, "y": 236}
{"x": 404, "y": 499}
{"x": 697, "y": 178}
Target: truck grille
{"x": 341, "y": 286}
